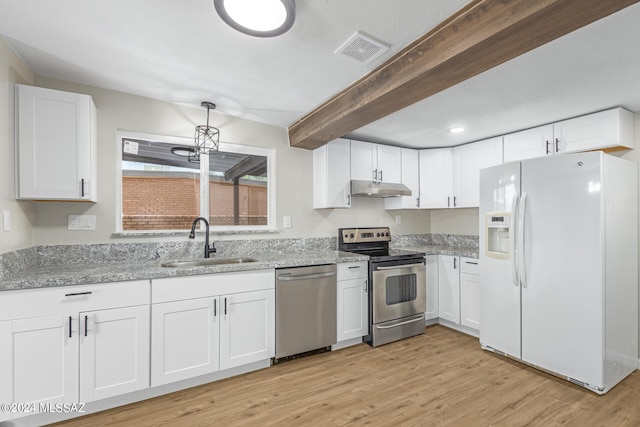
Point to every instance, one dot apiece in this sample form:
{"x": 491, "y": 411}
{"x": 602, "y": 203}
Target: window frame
{"x": 269, "y": 153}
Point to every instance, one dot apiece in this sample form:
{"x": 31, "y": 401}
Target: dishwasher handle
{"x": 287, "y": 278}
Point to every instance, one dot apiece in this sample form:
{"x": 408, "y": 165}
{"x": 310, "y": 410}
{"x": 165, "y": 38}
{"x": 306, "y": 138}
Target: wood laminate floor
{"x": 441, "y": 378}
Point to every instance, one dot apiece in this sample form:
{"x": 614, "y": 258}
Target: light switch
{"x": 6, "y": 220}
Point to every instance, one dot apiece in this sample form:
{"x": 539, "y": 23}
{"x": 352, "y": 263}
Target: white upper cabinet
{"x": 608, "y": 129}
{"x": 436, "y": 178}
{"x": 450, "y": 177}
{"x": 332, "y": 175}
{"x": 375, "y": 162}
{"x": 55, "y": 145}
{"x": 527, "y": 144}
{"x": 410, "y": 176}
{"x": 468, "y": 159}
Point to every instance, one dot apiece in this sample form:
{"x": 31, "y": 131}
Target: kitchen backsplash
{"x": 12, "y": 263}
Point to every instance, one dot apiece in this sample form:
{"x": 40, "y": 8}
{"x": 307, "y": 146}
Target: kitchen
{"x": 45, "y": 223}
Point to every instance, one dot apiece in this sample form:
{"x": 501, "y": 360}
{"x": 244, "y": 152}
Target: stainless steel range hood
{"x": 361, "y": 188}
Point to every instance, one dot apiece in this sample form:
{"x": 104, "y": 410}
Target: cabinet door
{"x": 247, "y": 328}
{"x": 6, "y": 367}
{"x": 332, "y": 175}
{"x": 468, "y": 159}
{"x": 432, "y": 287}
{"x": 45, "y": 359}
{"x": 352, "y": 308}
{"x": 55, "y": 139}
{"x": 184, "y": 339}
{"x": 528, "y": 144}
{"x": 410, "y": 177}
{"x": 389, "y": 163}
{"x": 364, "y": 161}
{"x": 114, "y": 352}
{"x": 436, "y": 178}
{"x": 594, "y": 131}
{"x": 449, "y": 288}
{"x": 470, "y": 300}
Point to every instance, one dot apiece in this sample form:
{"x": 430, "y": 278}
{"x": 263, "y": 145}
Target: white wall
{"x": 119, "y": 111}
{"x": 12, "y": 70}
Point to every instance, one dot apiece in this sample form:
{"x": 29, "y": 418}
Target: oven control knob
{"x": 387, "y": 234}
{"x": 378, "y": 235}
{"x": 351, "y": 235}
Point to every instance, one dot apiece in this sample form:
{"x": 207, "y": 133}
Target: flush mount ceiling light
{"x": 260, "y": 18}
{"x": 207, "y": 137}
{"x": 456, "y": 130}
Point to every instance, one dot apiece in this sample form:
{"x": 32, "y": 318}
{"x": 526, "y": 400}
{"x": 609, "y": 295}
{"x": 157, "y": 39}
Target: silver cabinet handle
{"x": 470, "y": 262}
{"x": 375, "y": 175}
{"x": 547, "y": 149}
{"x": 70, "y": 326}
{"x": 454, "y": 262}
{"x": 225, "y": 306}
{"x": 395, "y": 267}
{"x": 406, "y": 322}
{"x": 304, "y": 277}
{"x": 348, "y": 200}
{"x": 417, "y": 202}
{"x": 557, "y": 145}
{"x": 215, "y": 307}
{"x": 380, "y": 180}
{"x": 448, "y": 202}
{"x": 86, "y": 323}
{"x": 353, "y": 266}
{"x": 366, "y": 286}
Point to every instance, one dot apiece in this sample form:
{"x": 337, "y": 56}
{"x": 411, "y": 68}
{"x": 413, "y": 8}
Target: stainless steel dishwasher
{"x": 305, "y": 309}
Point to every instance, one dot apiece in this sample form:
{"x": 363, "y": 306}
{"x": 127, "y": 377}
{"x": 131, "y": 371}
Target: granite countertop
{"x": 67, "y": 265}
{"x": 91, "y": 273}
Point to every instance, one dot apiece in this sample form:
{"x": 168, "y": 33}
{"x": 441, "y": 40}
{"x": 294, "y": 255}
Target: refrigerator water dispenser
{"x": 498, "y": 234}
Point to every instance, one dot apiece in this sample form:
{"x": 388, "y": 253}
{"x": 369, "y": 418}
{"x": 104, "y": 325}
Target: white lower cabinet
{"x": 73, "y": 344}
{"x": 459, "y": 290}
{"x": 203, "y": 324}
{"x": 247, "y": 329}
{"x": 352, "y": 300}
{"x": 469, "y": 293}
{"x": 449, "y": 288}
{"x": 432, "y": 287}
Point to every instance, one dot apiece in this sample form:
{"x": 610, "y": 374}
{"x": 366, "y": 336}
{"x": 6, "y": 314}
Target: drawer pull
{"x": 469, "y": 262}
{"x": 353, "y": 266}
{"x": 75, "y": 294}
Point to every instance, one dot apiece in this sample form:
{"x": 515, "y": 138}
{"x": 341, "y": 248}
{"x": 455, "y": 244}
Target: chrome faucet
{"x": 208, "y": 249}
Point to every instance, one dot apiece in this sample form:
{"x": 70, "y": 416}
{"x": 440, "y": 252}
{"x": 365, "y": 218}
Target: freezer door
{"x": 499, "y": 289}
{"x": 562, "y": 287}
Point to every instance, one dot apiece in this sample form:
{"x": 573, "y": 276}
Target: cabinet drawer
{"x": 469, "y": 265}
{"x": 182, "y": 288}
{"x": 353, "y": 270}
{"x": 64, "y": 299}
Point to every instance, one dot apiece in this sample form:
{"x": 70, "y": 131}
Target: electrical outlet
{"x": 81, "y": 222}
{"x": 286, "y": 221}
{"x": 398, "y": 219}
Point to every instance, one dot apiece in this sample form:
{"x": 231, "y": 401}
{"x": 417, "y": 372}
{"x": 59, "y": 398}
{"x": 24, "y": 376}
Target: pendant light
{"x": 207, "y": 137}
{"x": 260, "y": 18}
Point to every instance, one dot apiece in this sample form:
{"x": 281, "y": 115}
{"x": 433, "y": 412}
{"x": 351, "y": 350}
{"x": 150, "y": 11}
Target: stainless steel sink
{"x": 207, "y": 261}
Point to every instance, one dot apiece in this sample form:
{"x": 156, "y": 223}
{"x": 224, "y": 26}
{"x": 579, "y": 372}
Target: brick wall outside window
{"x": 171, "y": 203}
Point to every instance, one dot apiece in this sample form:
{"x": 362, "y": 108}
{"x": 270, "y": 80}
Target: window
{"x": 163, "y": 188}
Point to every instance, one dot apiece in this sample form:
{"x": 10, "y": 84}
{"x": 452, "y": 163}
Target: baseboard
{"x": 459, "y": 328}
{"x": 346, "y": 343}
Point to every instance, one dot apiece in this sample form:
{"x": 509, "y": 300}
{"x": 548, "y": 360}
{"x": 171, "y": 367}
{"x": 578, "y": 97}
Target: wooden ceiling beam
{"x": 480, "y": 36}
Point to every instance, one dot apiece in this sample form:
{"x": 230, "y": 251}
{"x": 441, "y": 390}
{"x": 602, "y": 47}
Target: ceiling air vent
{"x": 362, "y": 48}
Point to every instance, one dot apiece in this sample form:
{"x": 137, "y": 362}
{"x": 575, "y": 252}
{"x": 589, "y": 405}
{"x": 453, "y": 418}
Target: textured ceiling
{"x": 181, "y": 51}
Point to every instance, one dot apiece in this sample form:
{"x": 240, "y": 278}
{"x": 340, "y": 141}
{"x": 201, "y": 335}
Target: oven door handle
{"x": 395, "y": 267}
{"x": 406, "y": 322}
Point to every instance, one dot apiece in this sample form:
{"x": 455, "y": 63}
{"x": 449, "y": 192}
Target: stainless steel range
{"x": 397, "y": 297}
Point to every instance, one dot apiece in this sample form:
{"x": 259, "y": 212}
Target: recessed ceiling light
{"x": 456, "y": 130}
{"x": 261, "y": 18}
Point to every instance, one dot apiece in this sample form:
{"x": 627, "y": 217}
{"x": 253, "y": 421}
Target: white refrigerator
{"x": 559, "y": 265}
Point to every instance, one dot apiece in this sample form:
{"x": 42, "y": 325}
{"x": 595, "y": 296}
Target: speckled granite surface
{"x": 64, "y": 265}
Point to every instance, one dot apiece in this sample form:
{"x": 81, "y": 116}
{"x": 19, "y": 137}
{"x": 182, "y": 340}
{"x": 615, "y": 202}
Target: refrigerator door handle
{"x": 521, "y": 255}
{"x": 514, "y": 261}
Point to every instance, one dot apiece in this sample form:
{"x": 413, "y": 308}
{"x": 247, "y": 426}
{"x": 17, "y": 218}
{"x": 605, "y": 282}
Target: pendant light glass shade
{"x": 261, "y": 18}
{"x": 207, "y": 137}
